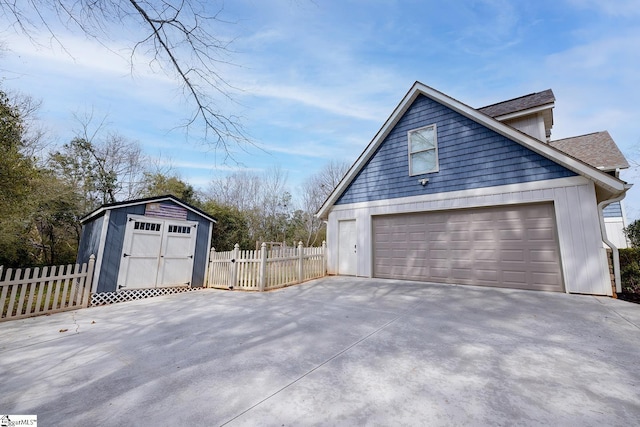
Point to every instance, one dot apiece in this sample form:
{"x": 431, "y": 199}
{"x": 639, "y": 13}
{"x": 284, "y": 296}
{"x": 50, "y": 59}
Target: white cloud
{"x": 332, "y": 100}
{"x": 619, "y": 8}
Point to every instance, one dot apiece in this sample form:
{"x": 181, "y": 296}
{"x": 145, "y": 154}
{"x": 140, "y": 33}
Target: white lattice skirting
{"x": 134, "y": 294}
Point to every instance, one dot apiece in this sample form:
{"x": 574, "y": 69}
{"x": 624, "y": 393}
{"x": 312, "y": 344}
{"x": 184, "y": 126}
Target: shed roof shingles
{"x": 521, "y": 103}
{"x": 597, "y": 149}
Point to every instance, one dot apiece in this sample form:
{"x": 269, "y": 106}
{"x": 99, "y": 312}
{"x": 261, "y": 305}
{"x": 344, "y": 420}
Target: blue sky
{"x": 317, "y": 79}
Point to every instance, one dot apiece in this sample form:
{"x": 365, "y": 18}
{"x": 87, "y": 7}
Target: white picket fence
{"x": 34, "y": 291}
{"x": 263, "y": 270}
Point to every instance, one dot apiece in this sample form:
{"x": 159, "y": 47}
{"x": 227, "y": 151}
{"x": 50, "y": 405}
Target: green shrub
{"x": 630, "y": 270}
{"x": 633, "y": 233}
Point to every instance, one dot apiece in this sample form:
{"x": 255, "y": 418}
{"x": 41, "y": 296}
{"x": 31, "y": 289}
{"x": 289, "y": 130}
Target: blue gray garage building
{"x": 149, "y": 243}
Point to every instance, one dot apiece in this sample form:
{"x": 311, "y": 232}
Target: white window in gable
{"x": 423, "y": 150}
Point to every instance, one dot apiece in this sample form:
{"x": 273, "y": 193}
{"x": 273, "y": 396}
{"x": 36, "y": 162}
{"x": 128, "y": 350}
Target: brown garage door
{"x": 507, "y": 246}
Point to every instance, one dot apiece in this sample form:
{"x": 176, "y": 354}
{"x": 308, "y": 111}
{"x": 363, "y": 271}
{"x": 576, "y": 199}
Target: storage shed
{"x": 149, "y": 243}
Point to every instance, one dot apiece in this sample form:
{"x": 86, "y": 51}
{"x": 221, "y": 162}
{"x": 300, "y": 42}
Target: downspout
{"x": 614, "y": 249}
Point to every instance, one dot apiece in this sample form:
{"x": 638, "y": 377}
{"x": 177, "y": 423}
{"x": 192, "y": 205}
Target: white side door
{"x": 140, "y": 253}
{"x": 178, "y": 250}
{"x": 347, "y": 248}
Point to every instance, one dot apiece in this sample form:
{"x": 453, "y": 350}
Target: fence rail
{"x": 34, "y": 291}
{"x": 264, "y": 270}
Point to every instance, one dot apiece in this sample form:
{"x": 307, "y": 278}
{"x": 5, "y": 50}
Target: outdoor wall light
{"x": 423, "y": 181}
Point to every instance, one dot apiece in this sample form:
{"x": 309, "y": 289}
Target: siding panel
{"x": 90, "y": 240}
{"x": 470, "y": 156}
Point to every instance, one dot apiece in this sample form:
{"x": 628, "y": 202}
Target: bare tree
{"x": 263, "y": 199}
{"x": 103, "y": 166}
{"x": 240, "y": 190}
{"x": 315, "y": 191}
{"x": 178, "y": 36}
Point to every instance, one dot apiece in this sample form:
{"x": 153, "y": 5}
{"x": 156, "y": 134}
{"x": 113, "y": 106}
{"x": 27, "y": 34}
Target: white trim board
{"x": 118, "y": 205}
{"x": 476, "y": 192}
{"x": 103, "y": 241}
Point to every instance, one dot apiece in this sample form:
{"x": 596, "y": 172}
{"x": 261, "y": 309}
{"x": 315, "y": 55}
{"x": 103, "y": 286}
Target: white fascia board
{"x": 572, "y": 181}
{"x": 397, "y": 113}
{"x": 144, "y": 202}
{"x": 526, "y": 112}
{"x": 612, "y": 184}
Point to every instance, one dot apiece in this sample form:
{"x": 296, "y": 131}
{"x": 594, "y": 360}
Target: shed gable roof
{"x": 610, "y": 184}
{"x": 168, "y": 197}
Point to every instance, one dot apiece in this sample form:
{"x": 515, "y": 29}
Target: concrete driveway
{"x": 334, "y": 351}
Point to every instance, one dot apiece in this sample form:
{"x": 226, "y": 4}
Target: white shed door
{"x": 347, "y": 248}
{"x": 156, "y": 252}
{"x": 511, "y": 246}
{"x": 178, "y": 249}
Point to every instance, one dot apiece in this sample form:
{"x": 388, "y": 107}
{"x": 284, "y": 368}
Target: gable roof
{"x": 610, "y": 184}
{"x": 110, "y": 206}
{"x": 521, "y": 103}
{"x": 597, "y": 149}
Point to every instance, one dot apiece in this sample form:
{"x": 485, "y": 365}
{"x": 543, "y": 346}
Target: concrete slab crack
{"x": 341, "y": 352}
{"x": 619, "y": 315}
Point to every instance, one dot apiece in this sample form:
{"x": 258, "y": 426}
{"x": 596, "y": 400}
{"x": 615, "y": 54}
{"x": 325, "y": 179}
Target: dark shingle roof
{"x": 597, "y": 149}
{"x": 519, "y": 104}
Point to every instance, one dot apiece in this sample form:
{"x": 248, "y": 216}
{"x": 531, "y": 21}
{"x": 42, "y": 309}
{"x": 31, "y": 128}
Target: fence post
{"x": 263, "y": 266}
{"x": 300, "y": 261}
{"x": 234, "y": 266}
{"x": 324, "y": 258}
{"x": 88, "y": 282}
{"x": 208, "y": 273}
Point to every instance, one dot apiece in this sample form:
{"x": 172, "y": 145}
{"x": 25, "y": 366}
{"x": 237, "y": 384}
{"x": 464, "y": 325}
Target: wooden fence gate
{"x": 263, "y": 270}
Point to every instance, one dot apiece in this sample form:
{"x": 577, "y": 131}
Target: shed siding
{"x": 614, "y": 210}
{"x": 113, "y": 246}
{"x": 90, "y": 240}
{"x": 202, "y": 249}
{"x": 470, "y": 156}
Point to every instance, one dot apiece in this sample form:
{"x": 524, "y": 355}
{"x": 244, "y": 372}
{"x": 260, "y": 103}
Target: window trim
{"x": 435, "y": 149}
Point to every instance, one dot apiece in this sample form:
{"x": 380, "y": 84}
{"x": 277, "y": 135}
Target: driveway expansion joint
{"x": 335, "y": 356}
{"x": 618, "y": 314}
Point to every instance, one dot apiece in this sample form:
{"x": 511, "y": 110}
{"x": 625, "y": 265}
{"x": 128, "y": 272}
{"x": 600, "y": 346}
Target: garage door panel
{"x": 512, "y": 255}
{"x": 487, "y": 276}
{"x": 514, "y": 277}
{"x": 510, "y": 246}
{"x": 547, "y": 234}
{"x": 545, "y": 278}
{"x": 462, "y": 273}
{"x": 486, "y": 255}
{"x": 439, "y": 273}
{"x": 542, "y": 255}
{"x": 483, "y": 235}
{"x": 508, "y": 234}
{"x": 439, "y": 254}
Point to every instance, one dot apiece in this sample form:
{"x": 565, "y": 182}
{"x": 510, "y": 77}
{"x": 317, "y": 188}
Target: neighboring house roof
{"x": 612, "y": 186}
{"x": 597, "y": 149}
{"x": 170, "y": 197}
{"x": 526, "y": 102}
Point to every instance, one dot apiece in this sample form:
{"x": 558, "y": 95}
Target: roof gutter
{"x": 606, "y": 241}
